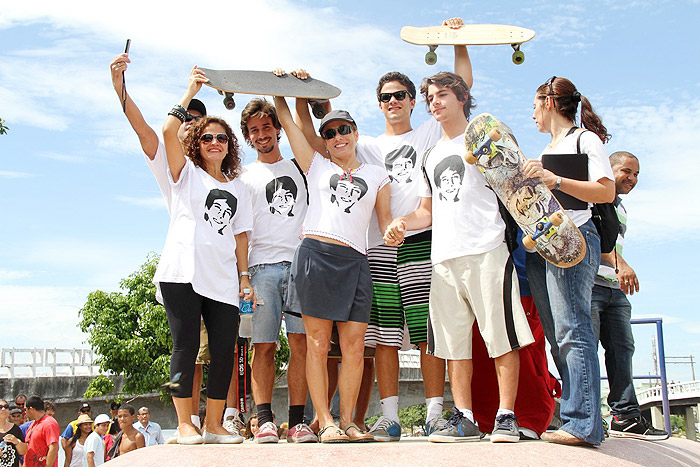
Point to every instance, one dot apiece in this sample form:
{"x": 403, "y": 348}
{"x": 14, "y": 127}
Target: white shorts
{"x": 482, "y": 287}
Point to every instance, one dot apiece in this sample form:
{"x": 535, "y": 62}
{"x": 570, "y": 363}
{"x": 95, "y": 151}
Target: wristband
{"x": 558, "y": 184}
{"x": 244, "y": 273}
{"x": 179, "y": 112}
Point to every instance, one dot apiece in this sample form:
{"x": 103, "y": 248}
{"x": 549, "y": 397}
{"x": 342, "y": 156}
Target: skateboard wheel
{"x": 431, "y": 58}
{"x": 495, "y": 135}
{"x": 518, "y": 57}
{"x": 470, "y": 158}
{"x": 528, "y": 242}
{"x": 318, "y": 110}
{"x": 229, "y": 102}
{"x": 557, "y": 218}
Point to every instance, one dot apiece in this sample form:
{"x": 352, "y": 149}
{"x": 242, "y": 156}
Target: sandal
{"x": 332, "y": 434}
{"x": 359, "y": 435}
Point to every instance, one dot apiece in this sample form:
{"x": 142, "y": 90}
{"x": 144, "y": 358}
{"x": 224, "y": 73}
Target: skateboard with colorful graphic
{"x": 266, "y": 83}
{"x": 469, "y": 34}
{"x": 546, "y": 227}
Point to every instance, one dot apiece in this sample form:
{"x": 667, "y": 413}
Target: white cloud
{"x": 8, "y": 275}
{"x": 13, "y": 174}
{"x": 150, "y": 203}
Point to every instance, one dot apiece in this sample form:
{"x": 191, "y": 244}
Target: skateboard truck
{"x": 518, "y": 55}
{"x": 546, "y": 227}
{"x": 229, "y": 103}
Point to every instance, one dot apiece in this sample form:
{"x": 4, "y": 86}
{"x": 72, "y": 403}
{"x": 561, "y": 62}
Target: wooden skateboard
{"x": 266, "y": 83}
{"x": 469, "y": 34}
{"x": 546, "y": 227}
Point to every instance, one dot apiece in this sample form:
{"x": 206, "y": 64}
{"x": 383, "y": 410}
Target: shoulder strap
{"x": 578, "y": 142}
{"x": 422, "y": 167}
{"x": 306, "y": 184}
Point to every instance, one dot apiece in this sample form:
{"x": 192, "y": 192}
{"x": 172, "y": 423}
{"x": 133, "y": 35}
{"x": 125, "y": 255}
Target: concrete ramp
{"x": 419, "y": 452}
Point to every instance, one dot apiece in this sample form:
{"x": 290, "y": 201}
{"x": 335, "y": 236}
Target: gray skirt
{"x": 330, "y": 281}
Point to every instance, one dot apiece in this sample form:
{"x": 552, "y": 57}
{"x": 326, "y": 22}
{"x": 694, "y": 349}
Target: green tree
{"x": 129, "y": 332}
{"x": 3, "y": 128}
{"x": 413, "y": 416}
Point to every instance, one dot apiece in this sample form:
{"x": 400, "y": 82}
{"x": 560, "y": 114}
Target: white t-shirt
{"x": 401, "y": 156}
{"x": 341, "y": 209}
{"x": 160, "y": 170}
{"x": 94, "y": 443}
{"x": 466, "y": 219}
{"x": 598, "y": 165}
{"x": 78, "y": 454}
{"x": 201, "y": 246}
{"x": 279, "y": 197}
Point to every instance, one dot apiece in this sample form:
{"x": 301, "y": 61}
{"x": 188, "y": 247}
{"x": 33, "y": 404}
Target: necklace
{"x": 347, "y": 172}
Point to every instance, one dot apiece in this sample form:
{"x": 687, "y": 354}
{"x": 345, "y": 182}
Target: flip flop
{"x": 359, "y": 435}
{"x": 332, "y": 434}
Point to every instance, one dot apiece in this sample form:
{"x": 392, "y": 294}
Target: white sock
{"x": 195, "y": 421}
{"x": 469, "y": 414}
{"x": 390, "y": 408}
{"x": 434, "y": 406}
{"x": 230, "y": 412}
{"x": 504, "y": 412}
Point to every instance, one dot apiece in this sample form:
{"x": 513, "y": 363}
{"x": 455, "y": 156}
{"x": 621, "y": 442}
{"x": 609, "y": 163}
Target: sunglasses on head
{"x": 189, "y": 117}
{"x": 208, "y": 137}
{"x": 399, "y": 95}
{"x": 341, "y": 130}
{"x": 550, "y": 83}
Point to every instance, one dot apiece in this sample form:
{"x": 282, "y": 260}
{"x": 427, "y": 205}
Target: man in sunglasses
{"x": 401, "y": 280}
{"x": 271, "y": 247}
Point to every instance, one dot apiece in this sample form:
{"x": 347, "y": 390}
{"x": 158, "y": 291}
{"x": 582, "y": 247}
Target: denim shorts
{"x": 270, "y": 282}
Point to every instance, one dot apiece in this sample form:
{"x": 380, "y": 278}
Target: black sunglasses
{"x": 6, "y": 406}
{"x": 189, "y": 117}
{"x": 399, "y": 95}
{"x": 550, "y": 83}
{"x": 208, "y": 137}
{"x": 342, "y": 130}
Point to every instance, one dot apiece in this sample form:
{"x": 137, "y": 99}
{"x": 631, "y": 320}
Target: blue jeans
{"x": 270, "y": 282}
{"x": 563, "y": 298}
{"x": 611, "y": 313}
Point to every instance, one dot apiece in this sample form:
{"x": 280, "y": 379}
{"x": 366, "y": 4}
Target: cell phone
{"x": 128, "y": 44}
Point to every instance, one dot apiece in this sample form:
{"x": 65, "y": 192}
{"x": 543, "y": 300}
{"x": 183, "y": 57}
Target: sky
{"x": 80, "y": 210}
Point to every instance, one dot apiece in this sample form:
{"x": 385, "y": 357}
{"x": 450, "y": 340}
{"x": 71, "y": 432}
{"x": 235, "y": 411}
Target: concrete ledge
{"x": 420, "y": 452}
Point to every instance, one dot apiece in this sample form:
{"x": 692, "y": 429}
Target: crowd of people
{"x": 30, "y": 436}
{"x": 378, "y": 244}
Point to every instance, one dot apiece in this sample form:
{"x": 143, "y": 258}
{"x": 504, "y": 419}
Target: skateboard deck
{"x": 469, "y": 34}
{"x": 266, "y": 83}
{"x": 546, "y": 227}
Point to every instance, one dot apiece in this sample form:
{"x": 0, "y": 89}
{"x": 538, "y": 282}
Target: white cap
{"x": 101, "y": 418}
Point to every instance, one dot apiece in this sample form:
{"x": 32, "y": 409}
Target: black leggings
{"x": 184, "y": 307}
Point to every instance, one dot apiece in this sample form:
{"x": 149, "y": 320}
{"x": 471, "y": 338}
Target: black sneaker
{"x": 458, "y": 429}
{"x": 505, "y": 429}
{"x": 638, "y": 428}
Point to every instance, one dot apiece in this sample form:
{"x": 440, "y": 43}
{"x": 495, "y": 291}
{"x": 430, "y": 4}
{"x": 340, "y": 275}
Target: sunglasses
{"x": 399, "y": 95}
{"x": 6, "y": 406}
{"x": 550, "y": 83}
{"x": 341, "y": 130}
{"x": 189, "y": 117}
{"x": 208, "y": 138}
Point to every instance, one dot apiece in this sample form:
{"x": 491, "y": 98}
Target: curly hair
{"x": 258, "y": 108}
{"x": 231, "y": 165}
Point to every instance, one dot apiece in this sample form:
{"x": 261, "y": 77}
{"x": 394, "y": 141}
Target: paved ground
{"x": 420, "y": 452}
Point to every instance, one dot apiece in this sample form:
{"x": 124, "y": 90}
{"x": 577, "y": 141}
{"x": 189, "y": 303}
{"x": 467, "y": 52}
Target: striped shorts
{"x": 401, "y": 284}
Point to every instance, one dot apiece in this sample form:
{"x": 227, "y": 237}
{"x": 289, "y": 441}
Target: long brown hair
{"x": 453, "y": 82}
{"x": 231, "y": 165}
{"x": 566, "y": 98}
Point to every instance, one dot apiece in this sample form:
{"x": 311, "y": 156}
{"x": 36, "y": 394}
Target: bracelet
{"x": 558, "y": 184}
{"x": 244, "y": 273}
{"x": 179, "y": 112}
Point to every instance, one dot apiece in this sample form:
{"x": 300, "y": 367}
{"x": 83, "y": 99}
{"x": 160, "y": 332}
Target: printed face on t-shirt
{"x": 347, "y": 191}
{"x": 400, "y": 162}
{"x": 448, "y": 177}
{"x": 281, "y": 196}
{"x": 220, "y": 207}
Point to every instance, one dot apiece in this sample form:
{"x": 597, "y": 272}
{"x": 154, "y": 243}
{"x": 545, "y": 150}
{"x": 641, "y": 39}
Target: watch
{"x": 558, "y": 184}
{"x": 244, "y": 273}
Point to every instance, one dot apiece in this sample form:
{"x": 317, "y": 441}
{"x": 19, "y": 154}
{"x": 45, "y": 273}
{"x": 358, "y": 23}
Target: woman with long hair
{"x": 563, "y": 295}
{"x": 203, "y": 270}
{"x": 76, "y": 446}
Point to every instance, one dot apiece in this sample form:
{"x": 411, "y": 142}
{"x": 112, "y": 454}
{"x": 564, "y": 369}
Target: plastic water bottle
{"x": 246, "y": 312}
